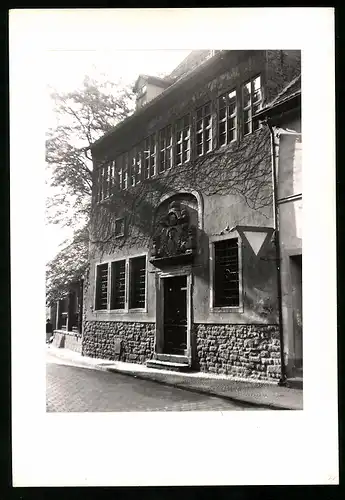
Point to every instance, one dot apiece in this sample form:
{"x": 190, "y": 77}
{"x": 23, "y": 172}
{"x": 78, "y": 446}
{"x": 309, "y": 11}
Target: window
{"x": 137, "y": 282}
{"x": 165, "y": 149}
{"x": 150, "y": 157}
{"x": 105, "y": 181}
{"x": 203, "y": 130}
{"x": 118, "y": 288}
{"x": 122, "y": 171}
{"x": 226, "y": 273}
{"x": 182, "y": 146}
{"x": 251, "y": 102}
{"x": 227, "y": 118}
{"x": 135, "y": 155}
{"x": 102, "y": 286}
{"x": 119, "y": 227}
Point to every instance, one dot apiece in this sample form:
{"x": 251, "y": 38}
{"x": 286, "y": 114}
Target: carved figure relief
{"x": 174, "y": 235}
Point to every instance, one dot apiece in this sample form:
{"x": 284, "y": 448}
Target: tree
{"x": 82, "y": 117}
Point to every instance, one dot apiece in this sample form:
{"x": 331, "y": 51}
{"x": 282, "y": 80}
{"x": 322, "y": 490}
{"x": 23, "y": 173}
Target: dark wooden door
{"x": 175, "y": 315}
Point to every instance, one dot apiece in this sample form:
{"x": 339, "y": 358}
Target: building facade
{"x": 183, "y": 261}
{"x": 283, "y": 116}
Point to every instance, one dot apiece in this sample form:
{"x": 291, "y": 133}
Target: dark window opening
{"x": 102, "y": 287}
{"x": 137, "y": 283}
{"x": 226, "y": 283}
{"x": 118, "y": 279}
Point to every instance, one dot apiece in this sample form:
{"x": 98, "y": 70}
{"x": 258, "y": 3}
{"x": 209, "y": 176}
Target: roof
{"x": 174, "y": 86}
{"x": 156, "y": 80}
{"x": 289, "y": 93}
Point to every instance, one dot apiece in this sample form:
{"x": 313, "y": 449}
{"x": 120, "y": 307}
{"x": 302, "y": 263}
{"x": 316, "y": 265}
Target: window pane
{"x": 247, "y": 115}
{"x": 222, "y": 114}
{"x": 207, "y": 109}
{"x": 232, "y": 123}
{"x": 199, "y": 125}
{"x": 137, "y": 282}
{"x": 246, "y": 128}
{"x": 199, "y": 113}
{"x": 222, "y": 139}
{"x": 222, "y": 128}
{"x": 207, "y": 121}
{"x": 246, "y": 95}
{"x": 257, "y": 83}
{"x": 118, "y": 278}
{"x": 199, "y": 149}
{"x": 226, "y": 290}
{"x": 102, "y": 287}
{"x": 222, "y": 101}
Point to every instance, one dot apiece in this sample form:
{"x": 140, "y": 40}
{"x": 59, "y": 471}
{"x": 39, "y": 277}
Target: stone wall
{"x": 248, "y": 351}
{"x": 101, "y": 340}
{"x": 67, "y": 340}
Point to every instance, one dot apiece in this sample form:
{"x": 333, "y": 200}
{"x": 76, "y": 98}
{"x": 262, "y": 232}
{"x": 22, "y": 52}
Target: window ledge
{"x": 228, "y": 309}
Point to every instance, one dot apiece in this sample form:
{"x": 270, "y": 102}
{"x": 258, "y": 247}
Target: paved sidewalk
{"x": 261, "y": 394}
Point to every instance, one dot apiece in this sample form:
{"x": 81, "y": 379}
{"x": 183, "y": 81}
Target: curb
{"x": 243, "y": 402}
{"x": 198, "y": 390}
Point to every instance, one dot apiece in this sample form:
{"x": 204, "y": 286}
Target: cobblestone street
{"x": 78, "y": 389}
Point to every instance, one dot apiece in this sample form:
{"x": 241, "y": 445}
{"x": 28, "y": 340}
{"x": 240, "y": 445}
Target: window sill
{"x": 227, "y": 309}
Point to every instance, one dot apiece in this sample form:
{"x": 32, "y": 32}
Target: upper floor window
{"x": 105, "y": 181}
{"x": 165, "y": 149}
{"x": 227, "y": 118}
{"x": 182, "y": 145}
{"x": 203, "y": 130}
{"x": 122, "y": 171}
{"x": 136, "y": 157}
{"x": 251, "y": 103}
{"x": 150, "y": 157}
{"x": 226, "y": 273}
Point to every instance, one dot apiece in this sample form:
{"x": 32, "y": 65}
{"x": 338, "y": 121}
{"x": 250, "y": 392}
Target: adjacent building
{"x": 183, "y": 256}
{"x": 283, "y": 117}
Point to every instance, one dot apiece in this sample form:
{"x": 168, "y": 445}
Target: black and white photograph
{"x": 173, "y": 200}
{"x": 183, "y": 192}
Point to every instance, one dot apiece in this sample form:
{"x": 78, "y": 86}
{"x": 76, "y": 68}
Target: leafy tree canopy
{"x": 82, "y": 117}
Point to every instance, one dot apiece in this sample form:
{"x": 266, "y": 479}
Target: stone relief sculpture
{"x": 174, "y": 235}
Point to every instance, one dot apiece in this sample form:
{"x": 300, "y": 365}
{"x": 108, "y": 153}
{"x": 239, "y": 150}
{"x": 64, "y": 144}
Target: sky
{"x": 65, "y": 71}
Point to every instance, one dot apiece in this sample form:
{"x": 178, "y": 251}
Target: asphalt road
{"x": 73, "y": 388}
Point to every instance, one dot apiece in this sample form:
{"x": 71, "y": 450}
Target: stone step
{"x": 167, "y": 365}
{"x": 172, "y": 358}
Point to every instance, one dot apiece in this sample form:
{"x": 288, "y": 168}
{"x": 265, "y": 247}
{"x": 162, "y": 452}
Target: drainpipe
{"x": 282, "y": 380}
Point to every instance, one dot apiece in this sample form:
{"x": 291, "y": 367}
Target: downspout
{"x": 282, "y": 380}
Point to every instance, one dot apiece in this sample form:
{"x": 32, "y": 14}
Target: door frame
{"x": 161, "y": 277}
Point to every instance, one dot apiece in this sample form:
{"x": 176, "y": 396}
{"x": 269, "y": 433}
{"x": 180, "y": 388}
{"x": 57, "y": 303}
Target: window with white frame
{"x": 165, "y": 149}
{"x": 227, "y": 118}
{"x": 226, "y": 283}
{"x": 182, "y": 144}
{"x": 102, "y": 287}
{"x": 251, "y": 103}
{"x": 137, "y": 291}
{"x": 105, "y": 181}
{"x": 119, "y": 229}
{"x": 127, "y": 287}
{"x": 118, "y": 285}
{"x": 136, "y": 157}
{"x": 150, "y": 157}
{"x": 122, "y": 171}
{"x": 203, "y": 129}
